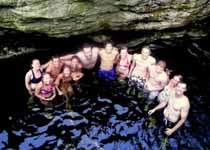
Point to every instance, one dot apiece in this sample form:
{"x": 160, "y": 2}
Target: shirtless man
{"x": 176, "y": 108}
{"x": 156, "y": 79}
{"x": 54, "y": 68}
{"x": 139, "y": 67}
{"x": 108, "y": 57}
{"x": 88, "y": 56}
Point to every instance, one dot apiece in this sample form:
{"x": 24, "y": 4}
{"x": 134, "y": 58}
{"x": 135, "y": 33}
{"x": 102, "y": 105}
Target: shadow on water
{"x": 105, "y": 115}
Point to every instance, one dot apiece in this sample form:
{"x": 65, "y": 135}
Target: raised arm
{"x": 159, "y": 106}
{"x": 66, "y": 57}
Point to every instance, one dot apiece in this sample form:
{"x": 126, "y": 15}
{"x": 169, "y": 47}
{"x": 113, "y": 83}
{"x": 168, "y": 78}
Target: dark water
{"x": 105, "y": 115}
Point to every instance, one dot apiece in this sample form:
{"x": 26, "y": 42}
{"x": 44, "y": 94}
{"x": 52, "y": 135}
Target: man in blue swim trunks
{"x": 108, "y": 57}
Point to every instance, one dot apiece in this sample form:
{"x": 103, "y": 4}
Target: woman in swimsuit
{"x": 63, "y": 85}
{"x": 76, "y": 68}
{"x": 123, "y": 63}
{"x": 45, "y": 90}
{"x": 33, "y": 76}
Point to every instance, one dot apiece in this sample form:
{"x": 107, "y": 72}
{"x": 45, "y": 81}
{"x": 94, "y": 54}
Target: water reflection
{"x": 106, "y": 117}
{"x": 111, "y": 122}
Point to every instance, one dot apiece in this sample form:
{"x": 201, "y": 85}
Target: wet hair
{"x": 75, "y": 57}
{"x": 35, "y": 59}
{"x": 146, "y": 47}
{"x": 86, "y": 45}
{"x": 161, "y": 63}
{"x": 179, "y": 76}
{"x": 66, "y": 66}
{"x": 123, "y": 47}
{"x": 183, "y": 84}
{"x": 109, "y": 42}
{"x": 55, "y": 57}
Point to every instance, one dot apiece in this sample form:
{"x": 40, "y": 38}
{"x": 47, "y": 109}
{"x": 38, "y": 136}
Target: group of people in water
{"x": 140, "y": 70}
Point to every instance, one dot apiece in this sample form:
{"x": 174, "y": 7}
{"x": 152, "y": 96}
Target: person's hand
{"x": 150, "y": 112}
{"x": 169, "y": 131}
{"x": 60, "y": 93}
{"x": 30, "y": 92}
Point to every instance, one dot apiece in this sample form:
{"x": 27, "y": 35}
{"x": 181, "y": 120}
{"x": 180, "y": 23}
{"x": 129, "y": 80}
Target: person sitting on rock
{"x": 156, "y": 79}
{"x": 108, "y": 58}
{"x": 176, "y": 108}
{"x": 123, "y": 63}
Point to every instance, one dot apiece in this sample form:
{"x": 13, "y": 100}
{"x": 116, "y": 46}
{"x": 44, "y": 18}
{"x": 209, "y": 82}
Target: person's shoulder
{"x": 60, "y": 76}
{"x": 79, "y": 54}
{"x": 29, "y": 73}
{"x": 152, "y": 60}
{"x": 135, "y": 55}
{"x": 164, "y": 76}
{"x": 186, "y": 102}
{"x": 95, "y": 49}
{"x": 102, "y": 51}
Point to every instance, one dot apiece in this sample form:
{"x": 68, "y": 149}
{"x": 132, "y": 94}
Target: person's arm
{"x": 133, "y": 64}
{"x": 27, "y": 82}
{"x": 159, "y": 106}
{"x": 53, "y": 96}
{"x": 57, "y": 83}
{"x": 163, "y": 83}
{"x": 184, "y": 114}
{"x": 117, "y": 59}
{"x": 77, "y": 75}
{"x": 48, "y": 69}
{"x": 66, "y": 57}
{"x": 44, "y": 66}
{"x": 37, "y": 90}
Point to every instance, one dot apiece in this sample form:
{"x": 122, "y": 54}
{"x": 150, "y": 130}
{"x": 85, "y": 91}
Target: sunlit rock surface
{"x": 65, "y": 18}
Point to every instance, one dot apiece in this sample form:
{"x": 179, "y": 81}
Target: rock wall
{"x": 64, "y": 18}
{"x": 134, "y": 21}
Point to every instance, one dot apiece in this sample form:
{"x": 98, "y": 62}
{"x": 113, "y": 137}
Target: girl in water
{"x": 45, "y": 90}
{"x": 63, "y": 85}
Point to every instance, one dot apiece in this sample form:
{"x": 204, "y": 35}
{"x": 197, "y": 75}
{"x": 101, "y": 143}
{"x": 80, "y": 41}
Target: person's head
{"x": 56, "y": 61}
{"x": 75, "y": 60}
{"x": 123, "y": 52}
{"x": 160, "y": 66}
{"x": 47, "y": 79}
{"x": 181, "y": 88}
{"x": 108, "y": 47}
{"x": 145, "y": 52}
{"x": 35, "y": 64}
{"x": 175, "y": 80}
{"x": 66, "y": 71}
{"x": 87, "y": 51}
